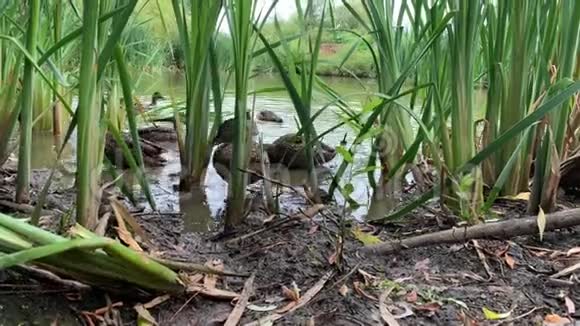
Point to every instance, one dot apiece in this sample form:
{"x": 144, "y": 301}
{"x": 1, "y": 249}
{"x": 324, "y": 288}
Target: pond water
{"x": 201, "y": 207}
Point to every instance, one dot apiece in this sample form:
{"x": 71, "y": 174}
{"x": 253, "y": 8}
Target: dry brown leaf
{"x": 291, "y": 294}
{"x": 313, "y": 229}
{"x": 369, "y": 278}
{"x": 570, "y": 306}
{"x": 309, "y": 213}
{"x": 386, "y": 314}
{"x": 510, "y": 261}
{"x": 411, "y": 297}
{"x": 430, "y": 307}
{"x": 194, "y": 279}
{"x": 144, "y": 316}
{"x": 358, "y": 289}
{"x": 122, "y": 211}
{"x": 344, "y": 290}
{"x": 332, "y": 258}
{"x": 128, "y": 239}
{"x": 304, "y": 300}
{"x": 157, "y": 301}
{"x": 210, "y": 280}
{"x": 555, "y": 320}
{"x": 212, "y": 293}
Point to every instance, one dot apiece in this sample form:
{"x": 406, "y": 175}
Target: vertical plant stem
{"x": 24, "y": 155}
{"x": 88, "y": 119}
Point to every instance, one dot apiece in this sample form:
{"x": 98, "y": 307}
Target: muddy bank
{"x": 443, "y": 285}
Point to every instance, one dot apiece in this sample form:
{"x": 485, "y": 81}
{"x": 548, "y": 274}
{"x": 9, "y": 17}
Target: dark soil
{"x": 443, "y": 285}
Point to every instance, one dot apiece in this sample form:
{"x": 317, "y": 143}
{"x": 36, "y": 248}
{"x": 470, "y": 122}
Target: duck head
{"x": 156, "y": 97}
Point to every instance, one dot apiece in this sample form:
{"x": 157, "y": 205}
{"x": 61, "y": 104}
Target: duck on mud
{"x": 288, "y": 150}
{"x": 267, "y": 115}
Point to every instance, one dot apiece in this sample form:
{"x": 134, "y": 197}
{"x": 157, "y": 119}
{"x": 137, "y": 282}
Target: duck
{"x": 155, "y": 98}
{"x": 267, "y": 115}
{"x": 289, "y": 150}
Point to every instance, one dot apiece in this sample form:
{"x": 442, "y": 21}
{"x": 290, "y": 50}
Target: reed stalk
{"x": 24, "y": 154}
{"x": 196, "y": 22}
{"x": 89, "y": 116}
{"x": 239, "y": 15}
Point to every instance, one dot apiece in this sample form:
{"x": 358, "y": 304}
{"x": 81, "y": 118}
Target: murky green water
{"x": 279, "y": 103}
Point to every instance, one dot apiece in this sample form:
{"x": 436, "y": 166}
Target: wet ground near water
{"x": 437, "y": 285}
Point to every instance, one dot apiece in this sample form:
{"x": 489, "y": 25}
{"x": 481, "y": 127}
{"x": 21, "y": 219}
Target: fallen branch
{"x": 305, "y": 299}
{"x": 24, "y": 208}
{"x": 53, "y": 278}
{"x": 238, "y": 311}
{"x": 309, "y": 213}
{"x": 567, "y": 271}
{"x": 497, "y": 230}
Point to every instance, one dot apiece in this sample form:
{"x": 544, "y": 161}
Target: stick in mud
{"x": 498, "y": 230}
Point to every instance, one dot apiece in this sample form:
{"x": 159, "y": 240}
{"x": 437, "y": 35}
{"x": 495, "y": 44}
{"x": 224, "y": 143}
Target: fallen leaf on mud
{"x": 344, "y": 290}
{"x": 573, "y": 251}
{"x": 358, "y": 288}
{"x": 386, "y": 314}
{"x": 309, "y": 213}
{"x": 458, "y": 302}
{"x": 192, "y": 279}
{"x": 492, "y": 315}
{"x": 429, "y": 307}
{"x": 304, "y": 300}
{"x": 313, "y": 229}
{"x": 541, "y": 223}
{"x": 257, "y": 308}
{"x": 411, "y": 297}
{"x": 212, "y": 293}
{"x": 555, "y": 320}
{"x": 157, "y": 301}
{"x": 332, "y": 258}
{"x": 367, "y": 239}
{"x": 407, "y": 311}
{"x": 210, "y": 280}
{"x": 144, "y": 317}
{"x": 291, "y": 294}
{"x": 122, "y": 212}
{"x": 509, "y": 260}
{"x": 570, "y": 306}
{"x": 127, "y": 239}
{"x": 520, "y": 196}
{"x": 369, "y": 278}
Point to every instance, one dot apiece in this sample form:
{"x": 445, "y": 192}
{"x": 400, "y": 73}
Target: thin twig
{"x": 48, "y": 276}
{"x": 193, "y": 267}
{"x": 510, "y": 320}
{"x": 483, "y": 259}
{"x": 278, "y": 183}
